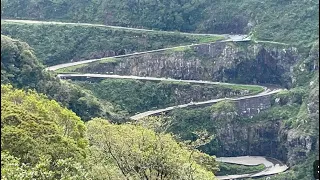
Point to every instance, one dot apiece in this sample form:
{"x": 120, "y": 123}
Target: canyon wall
{"x": 241, "y": 135}
{"x": 239, "y": 62}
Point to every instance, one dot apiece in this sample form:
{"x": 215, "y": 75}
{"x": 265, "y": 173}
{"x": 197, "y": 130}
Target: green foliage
{"x": 186, "y": 122}
{"x": 298, "y": 106}
{"x": 228, "y": 169}
{"x": 253, "y": 89}
{"x": 224, "y": 112}
{"x": 285, "y": 21}
{"x": 292, "y": 21}
{"x": 294, "y": 95}
{"x": 165, "y": 15}
{"x": 40, "y": 136}
{"x": 276, "y": 113}
{"x": 21, "y": 68}
{"x": 304, "y": 70}
{"x": 223, "y": 106}
{"x": 180, "y": 49}
{"x": 57, "y": 44}
{"x": 11, "y": 168}
{"x": 140, "y": 153}
{"x": 42, "y": 140}
{"x": 201, "y": 123}
{"x": 138, "y": 96}
{"x": 158, "y": 124}
{"x": 18, "y": 64}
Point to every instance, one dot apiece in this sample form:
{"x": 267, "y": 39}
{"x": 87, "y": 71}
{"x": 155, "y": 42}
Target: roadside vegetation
{"x": 230, "y": 169}
{"x": 295, "y": 22}
{"x": 54, "y": 129}
{"x": 138, "y": 96}
{"x": 42, "y": 140}
{"x": 56, "y": 43}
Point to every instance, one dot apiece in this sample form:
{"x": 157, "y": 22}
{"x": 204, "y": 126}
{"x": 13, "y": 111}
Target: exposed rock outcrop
{"x": 241, "y": 62}
{"x": 238, "y": 139}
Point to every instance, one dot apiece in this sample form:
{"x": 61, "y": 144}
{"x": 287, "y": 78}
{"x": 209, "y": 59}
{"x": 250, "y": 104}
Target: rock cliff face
{"x": 261, "y": 139}
{"x": 241, "y": 62}
{"x": 162, "y": 94}
{"x": 253, "y": 106}
{"x": 298, "y": 145}
{"x": 236, "y": 137}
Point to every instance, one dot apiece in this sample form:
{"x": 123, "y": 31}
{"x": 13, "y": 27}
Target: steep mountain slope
{"x": 139, "y": 96}
{"x": 291, "y": 21}
{"x": 59, "y": 43}
{"x": 292, "y": 122}
{"x": 219, "y": 61}
{"x": 42, "y": 140}
{"x": 21, "y": 68}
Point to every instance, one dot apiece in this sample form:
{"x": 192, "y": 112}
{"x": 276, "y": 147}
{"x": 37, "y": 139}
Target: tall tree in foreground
{"x": 139, "y": 153}
{"x": 39, "y": 138}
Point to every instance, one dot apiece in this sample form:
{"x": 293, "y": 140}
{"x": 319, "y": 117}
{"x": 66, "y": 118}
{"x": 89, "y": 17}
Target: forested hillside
{"x": 138, "y": 96}
{"x": 292, "y": 21}
{"x": 21, "y": 68}
{"x": 41, "y": 140}
{"x": 57, "y": 44}
{"x": 82, "y": 127}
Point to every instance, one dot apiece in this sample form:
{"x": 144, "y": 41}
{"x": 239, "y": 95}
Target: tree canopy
{"x": 39, "y": 134}
{"x": 42, "y": 140}
{"x": 140, "y": 153}
{"x": 21, "y": 68}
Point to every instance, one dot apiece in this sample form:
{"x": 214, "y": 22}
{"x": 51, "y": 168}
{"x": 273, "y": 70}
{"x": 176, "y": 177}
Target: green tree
{"x": 21, "y": 68}
{"x": 37, "y": 130}
{"x": 140, "y": 153}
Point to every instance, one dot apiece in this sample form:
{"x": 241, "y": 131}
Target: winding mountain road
{"x": 116, "y": 27}
{"x": 60, "y": 66}
{"x": 272, "y": 167}
{"x": 195, "y": 104}
{"x": 66, "y": 75}
{"x": 228, "y": 37}
{"x": 267, "y": 91}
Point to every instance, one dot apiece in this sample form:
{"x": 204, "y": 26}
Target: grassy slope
{"x": 21, "y": 68}
{"x": 295, "y": 22}
{"x": 56, "y": 44}
{"x": 138, "y": 96}
{"x": 228, "y": 169}
{"x": 292, "y": 21}
{"x": 246, "y": 53}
